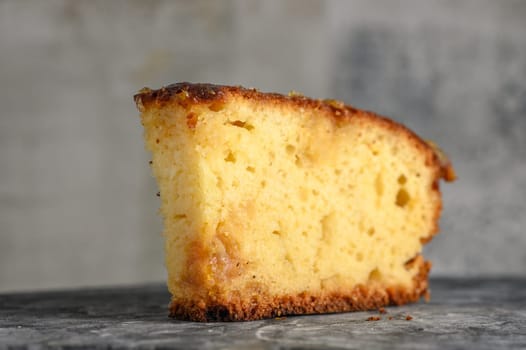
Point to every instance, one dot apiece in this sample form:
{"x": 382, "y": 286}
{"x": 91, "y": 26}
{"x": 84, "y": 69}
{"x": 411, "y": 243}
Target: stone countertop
{"x": 472, "y": 313}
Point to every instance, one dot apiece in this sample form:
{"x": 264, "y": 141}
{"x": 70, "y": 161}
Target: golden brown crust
{"x": 360, "y": 298}
{"x": 208, "y": 93}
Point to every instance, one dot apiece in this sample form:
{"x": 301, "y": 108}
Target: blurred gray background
{"x": 77, "y": 202}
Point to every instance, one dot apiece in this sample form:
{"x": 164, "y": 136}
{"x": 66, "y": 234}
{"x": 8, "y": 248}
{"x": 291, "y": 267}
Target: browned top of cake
{"x": 206, "y": 93}
{"x": 210, "y": 94}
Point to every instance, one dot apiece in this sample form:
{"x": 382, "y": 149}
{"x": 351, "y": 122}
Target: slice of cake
{"x": 282, "y": 205}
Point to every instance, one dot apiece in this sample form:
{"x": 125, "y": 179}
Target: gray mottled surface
{"x": 473, "y": 313}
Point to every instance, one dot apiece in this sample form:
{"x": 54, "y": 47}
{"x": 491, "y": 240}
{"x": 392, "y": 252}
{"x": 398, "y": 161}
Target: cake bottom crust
{"x": 360, "y": 298}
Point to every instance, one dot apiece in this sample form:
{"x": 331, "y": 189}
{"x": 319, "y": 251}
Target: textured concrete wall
{"x": 77, "y": 203}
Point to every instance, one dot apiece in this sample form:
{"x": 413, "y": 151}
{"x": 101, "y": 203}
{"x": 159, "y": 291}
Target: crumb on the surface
{"x": 390, "y": 318}
{"x": 382, "y": 310}
{"x": 427, "y": 296}
{"x": 374, "y": 318}
{"x": 408, "y": 318}
{"x": 280, "y": 318}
